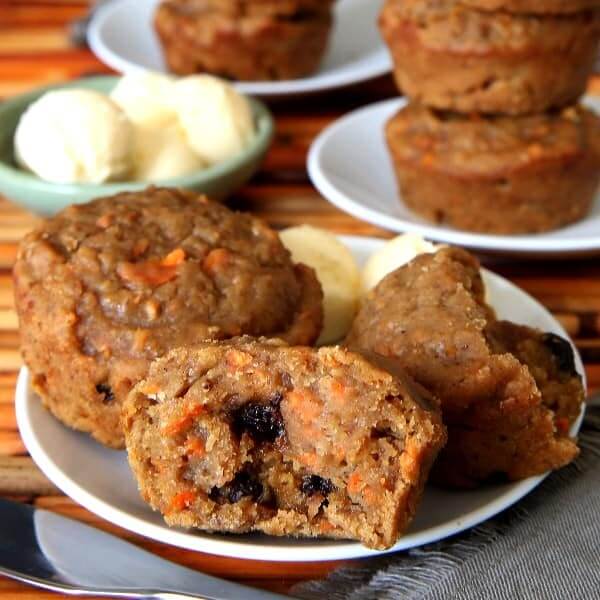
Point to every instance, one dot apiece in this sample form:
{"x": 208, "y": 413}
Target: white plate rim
{"x": 312, "y": 84}
{"x": 538, "y": 244}
{"x": 204, "y": 542}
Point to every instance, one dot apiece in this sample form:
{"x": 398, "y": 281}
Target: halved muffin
{"x": 249, "y": 435}
{"x": 508, "y": 397}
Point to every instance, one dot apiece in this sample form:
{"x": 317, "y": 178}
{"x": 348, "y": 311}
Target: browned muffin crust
{"x": 453, "y": 57}
{"x": 431, "y": 317}
{"x": 271, "y": 8}
{"x": 104, "y": 288}
{"x": 257, "y": 47}
{"x": 550, "y": 360}
{"x": 503, "y": 175}
{"x": 253, "y": 436}
{"x": 540, "y": 7}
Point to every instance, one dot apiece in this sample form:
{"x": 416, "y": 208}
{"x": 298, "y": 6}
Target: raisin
{"x": 562, "y": 351}
{"x": 263, "y": 422}
{"x": 106, "y": 391}
{"x": 313, "y": 484}
{"x": 243, "y": 484}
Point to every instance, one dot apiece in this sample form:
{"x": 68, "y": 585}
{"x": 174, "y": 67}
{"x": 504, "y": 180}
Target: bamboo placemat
{"x": 35, "y": 50}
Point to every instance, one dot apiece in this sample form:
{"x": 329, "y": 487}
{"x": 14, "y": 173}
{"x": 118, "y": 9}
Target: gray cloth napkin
{"x": 545, "y": 548}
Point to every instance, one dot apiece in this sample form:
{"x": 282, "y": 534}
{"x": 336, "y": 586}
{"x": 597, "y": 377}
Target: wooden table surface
{"x": 35, "y": 50}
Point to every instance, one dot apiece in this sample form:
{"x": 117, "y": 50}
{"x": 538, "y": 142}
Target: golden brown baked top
{"x": 145, "y": 271}
{"x": 448, "y": 25}
{"x": 492, "y": 145}
{"x": 252, "y": 8}
{"x": 207, "y": 26}
{"x": 534, "y": 6}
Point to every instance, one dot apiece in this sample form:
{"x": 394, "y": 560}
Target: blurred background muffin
{"x": 493, "y": 140}
{"x": 244, "y": 40}
{"x": 454, "y": 57}
{"x": 497, "y": 174}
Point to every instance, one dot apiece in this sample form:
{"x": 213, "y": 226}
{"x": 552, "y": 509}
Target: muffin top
{"x": 535, "y": 6}
{"x": 144, "y": 272}
{"x": 253, "y": 8}
{"x": 492, "y": 146}
{"x": 452, "y": 26}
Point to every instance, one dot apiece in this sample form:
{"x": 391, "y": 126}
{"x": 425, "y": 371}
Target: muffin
{"x": 496, "y": 174}
{"x": 254, "y": 46}
{"x": 536, "y": 7}
{"x": 104, "y": 288}
{"x": 253, "y": 436}
{"x": 508, "y": 398}
{"x": 453, "y": 57}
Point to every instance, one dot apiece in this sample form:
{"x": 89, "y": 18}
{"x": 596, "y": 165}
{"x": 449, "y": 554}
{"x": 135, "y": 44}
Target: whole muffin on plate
{"x": 535, "y": 6}
{"x": 508, "y": 393}
{"x": 450, "y": 56}
{"x": 249, "y": 435}
{"x": 256, "y": 45}
{"x": 496, "y": 174}
{"x": 104, "y": 288}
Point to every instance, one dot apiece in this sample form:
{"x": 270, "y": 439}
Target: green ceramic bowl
{"x": 46, "y": 198}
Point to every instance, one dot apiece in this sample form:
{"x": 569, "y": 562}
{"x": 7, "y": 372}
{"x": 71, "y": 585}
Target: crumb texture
{"x": 254, "y": 436}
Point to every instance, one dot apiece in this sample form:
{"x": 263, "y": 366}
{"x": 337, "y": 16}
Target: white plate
{"x": 350, "y": 165}
{"x": 122, "y": 36}
{"x": 99, "y": 478}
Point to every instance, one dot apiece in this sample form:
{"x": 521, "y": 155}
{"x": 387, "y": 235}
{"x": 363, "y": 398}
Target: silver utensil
{"x": 62, "y": 555}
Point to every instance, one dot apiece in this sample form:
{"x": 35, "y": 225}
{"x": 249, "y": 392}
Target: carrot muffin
{"x": 257, "y": 46}
{"x": 453, "y": 57}
{"x": 540, "y": 7}
{"x": 104, "y": 288}
{"x": 496, "y": 174}
{"x": 507, "y": 401}
{"x": 255, "y": 436}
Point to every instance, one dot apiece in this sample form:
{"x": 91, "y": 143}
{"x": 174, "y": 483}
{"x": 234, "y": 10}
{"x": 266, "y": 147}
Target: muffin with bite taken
{"x": 252, "y": 435}
{"x": 509, "y": 394}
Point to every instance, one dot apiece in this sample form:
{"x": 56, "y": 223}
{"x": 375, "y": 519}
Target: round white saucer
{"x": 122, "y": 36}
{"x": 350, "y": 165}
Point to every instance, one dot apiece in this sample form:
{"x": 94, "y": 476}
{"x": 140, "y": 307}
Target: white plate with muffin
{"x": 273, "y": 48}
{"x": 352, "y": 166}
{"x": 130, "y": 311}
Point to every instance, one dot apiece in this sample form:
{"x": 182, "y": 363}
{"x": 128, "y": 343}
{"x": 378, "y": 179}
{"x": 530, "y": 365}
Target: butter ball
{"x": 145, "y": 98}
{"x": 217, "y": 120}
{"x": 162, "y": 153}
{"x": 75, "y": 136}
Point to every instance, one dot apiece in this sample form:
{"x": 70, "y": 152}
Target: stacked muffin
{"x": 493, "y": 140}
{"x": 244, "y": 39}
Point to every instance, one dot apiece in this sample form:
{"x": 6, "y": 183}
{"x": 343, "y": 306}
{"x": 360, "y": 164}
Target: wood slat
{"x": 20, "y": 475}
{"x": 34, "y": 51}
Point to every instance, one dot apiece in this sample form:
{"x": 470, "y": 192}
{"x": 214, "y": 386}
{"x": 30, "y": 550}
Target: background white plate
{"x": 350, "y": 165}
{"x": 122, "y": 36}
{"x": 99, "y": 478}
